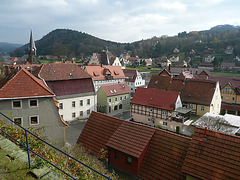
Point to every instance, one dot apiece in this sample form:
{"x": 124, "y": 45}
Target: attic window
{"x": 156, "y": 82}
{"x": 115, "y": 90}
{"x": 116, "y": 73}
{"x": 96, "y": 73}
{"x": 111, "y": 91}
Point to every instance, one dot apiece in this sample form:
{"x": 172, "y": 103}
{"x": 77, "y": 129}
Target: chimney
{"x": 6, "y": 70}
{"x": 205, "y": 132}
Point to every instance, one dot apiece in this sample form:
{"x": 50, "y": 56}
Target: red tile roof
{"x": 97, "y": 72}
{"x": 72, "y": 86}
{"x": 116, "y": 89}
{"x": 215, "y": 157}
{"x": 97, "y": 131}
{"x": 23, "y": 85}
{"x": 131, "y": 138}
{"x": 192, "y": 90}
{"x": 165, "y": 156}
{"x": 130, "y": 75}
{"x": 155, "y": 98}
{"x": 62, "y": 71}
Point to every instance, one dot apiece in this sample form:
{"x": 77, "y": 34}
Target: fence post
{"x": 29, "y": 160}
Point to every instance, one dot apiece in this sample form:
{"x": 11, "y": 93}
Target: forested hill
{"x": 74, "y": 43}
{"x": 71, "y": 43}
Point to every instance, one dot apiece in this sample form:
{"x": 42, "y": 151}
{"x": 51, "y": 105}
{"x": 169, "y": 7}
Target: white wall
{"x": 67, "y": 110}
{"x": 215, "y": 105}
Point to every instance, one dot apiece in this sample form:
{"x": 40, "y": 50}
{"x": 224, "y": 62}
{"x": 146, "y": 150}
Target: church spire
{"x": 32, "y": 51}
{"x": 32, "y": 43}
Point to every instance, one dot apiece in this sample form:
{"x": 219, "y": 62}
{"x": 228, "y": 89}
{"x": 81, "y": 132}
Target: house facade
{"x": 200, "y": 95}
{"x": 30, "y": 103}
{"x": 114, "y": 98}
{"x": 156, "y": 107}
{"x": 133, "y": 79}
{"x": 73, "y": 87}
{"x": 105, "y": 75}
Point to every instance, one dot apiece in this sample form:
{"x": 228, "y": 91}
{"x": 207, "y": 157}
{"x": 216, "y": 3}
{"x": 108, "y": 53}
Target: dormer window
{"x": 111, "y": 91}
{"x": 115, "y": 90}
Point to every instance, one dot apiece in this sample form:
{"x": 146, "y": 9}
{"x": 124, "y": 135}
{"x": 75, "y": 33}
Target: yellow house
{"x": 200, "y": 95}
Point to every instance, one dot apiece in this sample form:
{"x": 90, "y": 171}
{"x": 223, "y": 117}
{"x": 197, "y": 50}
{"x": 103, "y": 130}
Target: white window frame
{"x": 109, "y": 100}
{"x": 164, "y": 112}
{"x": 81, "y": 102}
{"x": 17, "y": 118}
{"x": 202, "y": 108}
{"x": 74, "y": 115}
{"x": 17, "y": 107}
{"x": 37, "y": 119}
{"x": 164, "y": 124}
{"x": 73, "y": 104}
{"x": 32, "y": 100}
{"x": 60, "y": 105}
{"x": 88, "y": 111}
{"x": 88, "y": 102}
{"x": 81, "y": 115}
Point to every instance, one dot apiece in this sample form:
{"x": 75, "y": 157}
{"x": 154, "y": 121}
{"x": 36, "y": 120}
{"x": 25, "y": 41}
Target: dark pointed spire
{"x": 32, "y": 43}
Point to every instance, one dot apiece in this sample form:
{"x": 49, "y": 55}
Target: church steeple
{"x": 32, "y": 51}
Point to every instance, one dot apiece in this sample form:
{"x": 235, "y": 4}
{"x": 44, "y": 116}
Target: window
{"x": 120, "y": 106}
{"x": 16, "y": 104}
{"x": 73, "y": 103}
{"x": 33, "y": 103}
{"x": 120, "y": 98}
{"x": 129, "y": 160}
{"x": 81, "y": 113}
{"x": 109, "y": 109}
{"x": 148, "y": 119}
{"x": 18, "y": 120}
{"x": 81, "y": 102}
{"x": 164, "y": 123}
{"x": 34, "y": 120}
{"x": 115, "y": 98}
{"x": 115, "y": 108}
{"x": 88, "y": 101}
{"x": 88, "y": 111}
{"x": 73, "y": 115}
{"x": 60, "y": 105}
{"x": 117, "y": 155}
{"x": 125, "y": 97}
{"x": 202, "y": 108}
{"x": 164, "y": 113}
{"x": 233, "y": 98}
{"x": 191, "y": 106}
{"x": 109, "y": 100}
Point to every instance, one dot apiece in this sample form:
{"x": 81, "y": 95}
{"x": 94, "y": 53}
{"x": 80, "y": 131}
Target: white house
{"x": 73, "y": 88}
{"x": 133, "y": 79}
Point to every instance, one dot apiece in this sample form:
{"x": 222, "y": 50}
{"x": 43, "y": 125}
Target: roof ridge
{"x": 37, "y": 80}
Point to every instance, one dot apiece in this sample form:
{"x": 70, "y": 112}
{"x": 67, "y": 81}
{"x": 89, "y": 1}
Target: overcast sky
{"x": 114, "y": 20}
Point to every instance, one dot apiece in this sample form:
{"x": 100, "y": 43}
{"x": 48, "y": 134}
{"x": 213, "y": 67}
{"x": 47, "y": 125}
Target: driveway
{"x": 73, "y": 131}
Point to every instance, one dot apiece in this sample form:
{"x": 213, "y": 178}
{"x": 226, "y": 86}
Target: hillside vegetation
{"x": 73, "y": 43}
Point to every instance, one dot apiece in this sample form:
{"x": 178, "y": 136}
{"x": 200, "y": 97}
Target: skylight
{"x": 115, "y": 90}
{"x": 111, "y": 91}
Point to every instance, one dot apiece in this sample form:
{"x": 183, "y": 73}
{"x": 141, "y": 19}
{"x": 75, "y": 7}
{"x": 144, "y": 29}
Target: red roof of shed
{"x": 116, "y": 89}
{"x": 131, "y": 138}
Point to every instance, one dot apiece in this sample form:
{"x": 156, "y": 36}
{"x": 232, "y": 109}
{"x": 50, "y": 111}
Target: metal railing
{"x": 27, "y": 132}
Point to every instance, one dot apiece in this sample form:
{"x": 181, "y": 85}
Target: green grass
{"x": 225, "y": 74}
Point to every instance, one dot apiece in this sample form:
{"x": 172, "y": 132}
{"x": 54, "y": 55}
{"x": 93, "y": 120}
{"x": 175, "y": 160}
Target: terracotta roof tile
{"x": 62, "y": 71}
{"x": 131, "y": 138}
{"x": 155, "y": 98}
{"x": 97, "y": 72}
{"x": 192, "y": 90}
{"x": 24, "y": 84}
{"x": 116, "y": 89}
{"x": 97, "y": 131}
{"x": 215, "y": 157}
{"x": 165, "y": 156}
